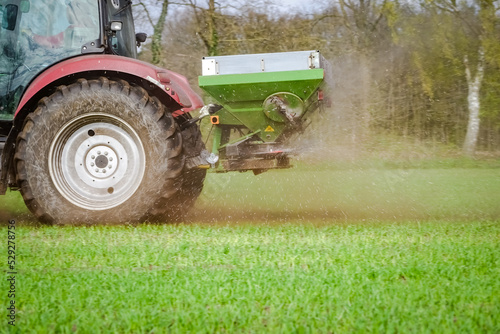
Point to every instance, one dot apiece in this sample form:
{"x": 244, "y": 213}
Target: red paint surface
{"x": 174, "y": 84}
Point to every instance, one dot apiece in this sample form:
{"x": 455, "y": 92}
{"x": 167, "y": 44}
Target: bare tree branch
{"x": 146, "y": 11}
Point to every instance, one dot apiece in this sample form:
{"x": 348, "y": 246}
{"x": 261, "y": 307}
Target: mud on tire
{"x": 98, "y": 151}
{"x": 190, "y": 183}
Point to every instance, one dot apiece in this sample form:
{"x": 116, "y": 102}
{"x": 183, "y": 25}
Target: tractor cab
{"x": 36, "y": 34}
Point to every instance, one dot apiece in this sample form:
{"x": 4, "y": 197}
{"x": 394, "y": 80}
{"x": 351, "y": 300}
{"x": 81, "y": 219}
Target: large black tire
{"x": 98, "y": 151}
{"x": 189, "y": 185}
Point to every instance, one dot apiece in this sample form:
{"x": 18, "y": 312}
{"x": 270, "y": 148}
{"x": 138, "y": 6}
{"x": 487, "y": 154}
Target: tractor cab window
{"x": 35, "y": 34}
{"x": 123, "y": 43}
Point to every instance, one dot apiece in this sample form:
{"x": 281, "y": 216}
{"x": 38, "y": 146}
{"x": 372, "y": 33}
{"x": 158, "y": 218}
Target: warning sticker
{"x": 269, "y": 129}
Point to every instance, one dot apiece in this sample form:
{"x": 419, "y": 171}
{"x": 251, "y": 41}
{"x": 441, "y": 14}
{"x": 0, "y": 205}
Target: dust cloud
{"x": 344, "y": 172}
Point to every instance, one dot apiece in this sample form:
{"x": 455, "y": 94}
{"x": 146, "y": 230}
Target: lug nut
{"x": 92, "y": 157}
{"x": 106, "y": 153}
{"x": 92, "y": 164}
{"x": 110, "y": 158}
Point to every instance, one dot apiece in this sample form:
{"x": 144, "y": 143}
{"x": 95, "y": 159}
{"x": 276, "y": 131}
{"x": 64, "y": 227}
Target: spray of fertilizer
{"x": 331, "y": 180}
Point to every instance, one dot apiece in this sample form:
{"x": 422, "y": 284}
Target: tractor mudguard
{"x": 172, "y": 86}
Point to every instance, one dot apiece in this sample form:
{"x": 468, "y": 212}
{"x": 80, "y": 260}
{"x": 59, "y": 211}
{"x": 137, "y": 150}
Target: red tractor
{"x": 87, "y": 132}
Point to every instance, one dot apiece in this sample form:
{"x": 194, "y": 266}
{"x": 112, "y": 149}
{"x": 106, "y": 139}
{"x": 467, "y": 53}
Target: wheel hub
{"x": 97, "y": 161}
{"x": 101, "y": 161}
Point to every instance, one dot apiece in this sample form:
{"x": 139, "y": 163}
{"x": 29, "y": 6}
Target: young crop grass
{"x": 454, "y": 189}
{"x": 352, "y": 192}
{"x": 435, "y": 276}
{"x": 321, "y": 250}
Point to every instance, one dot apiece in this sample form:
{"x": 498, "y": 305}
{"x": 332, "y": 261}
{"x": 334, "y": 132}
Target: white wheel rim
{"x": 97, "y": 161}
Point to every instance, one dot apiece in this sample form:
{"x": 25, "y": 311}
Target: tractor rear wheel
{"x": 189, "y": 184}
{"x": 98, "y": 151}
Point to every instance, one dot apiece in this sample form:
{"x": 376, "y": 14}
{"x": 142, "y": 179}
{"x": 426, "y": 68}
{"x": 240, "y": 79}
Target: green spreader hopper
{"x": 265, "y": 98}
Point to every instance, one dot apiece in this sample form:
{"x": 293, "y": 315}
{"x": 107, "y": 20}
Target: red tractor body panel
{"x": 174, "y": 85}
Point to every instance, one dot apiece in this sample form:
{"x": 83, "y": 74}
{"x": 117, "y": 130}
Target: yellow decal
{"x": 269, "y": 129}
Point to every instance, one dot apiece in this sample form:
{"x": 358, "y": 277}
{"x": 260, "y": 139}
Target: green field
{"x": 344, "y": 194}
{"x": 308, "y": 250}
{"x": 449, "y": 189}
{"x": 292, "y": 278}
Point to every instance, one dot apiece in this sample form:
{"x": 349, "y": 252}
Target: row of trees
{"x": 427, "y": 70}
